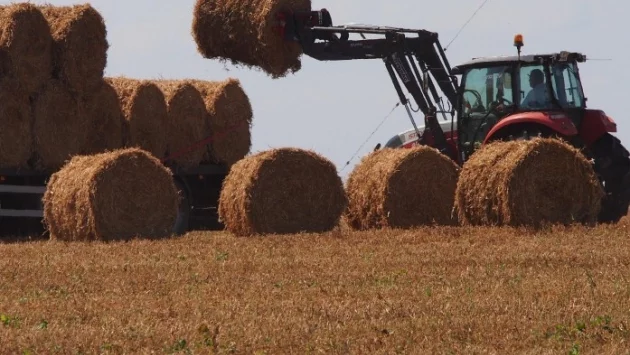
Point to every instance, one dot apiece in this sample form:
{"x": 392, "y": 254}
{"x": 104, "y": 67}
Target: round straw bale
{"x": 26, "y": 41}
{"x": 116, "y": 195}
{"x": 282, "y": 191}
{"x": 186, "y": 121}
{"x": 243, "y": 33}
{"x": 145, "y": 114}
{"x": 528, "y": 183}
{"x": 16, "y": 142}
{"x": 102, "y": 110}
{"x": 80, "y": 45}
{"x": 402, "y": 188}
{"x": 229, "y": 119}
{"x": 59, "y": 128}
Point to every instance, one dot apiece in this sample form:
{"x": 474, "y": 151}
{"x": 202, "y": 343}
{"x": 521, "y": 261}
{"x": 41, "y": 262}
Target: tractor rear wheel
{"x": 612, "y": 164}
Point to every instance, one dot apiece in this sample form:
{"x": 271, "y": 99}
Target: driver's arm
{"x": 528, "y": 99}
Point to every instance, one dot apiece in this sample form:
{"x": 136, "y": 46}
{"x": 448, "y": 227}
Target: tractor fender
{"x": 595, "y": 124}
{"x": 555, "y": 121}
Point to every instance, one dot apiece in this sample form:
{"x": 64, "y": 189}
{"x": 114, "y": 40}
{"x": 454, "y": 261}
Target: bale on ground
{"x": 117, "y": 195}
{"x": 229, "y": 119}
{"x": 26, "y": 45}
{"x": 80, "y": 45}
{"x": 242, "y": 32}
{"x": 282, "y": 191}
{"x": 186, "y": 121}
{"x": 59, "y": 129}
{"x": 16, "y": 142}
{"x": 145, "y": 114}
{"x": 103, "y": 112}
{"x": 402, "y": 188}
{"x": 528, "y": 183}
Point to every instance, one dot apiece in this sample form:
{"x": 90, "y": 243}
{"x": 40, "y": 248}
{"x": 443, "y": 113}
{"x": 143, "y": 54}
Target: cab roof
{"x": 511, "y": 59}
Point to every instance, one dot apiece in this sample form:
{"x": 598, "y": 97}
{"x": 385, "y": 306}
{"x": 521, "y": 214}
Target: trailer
{"x": 22, "y": 191}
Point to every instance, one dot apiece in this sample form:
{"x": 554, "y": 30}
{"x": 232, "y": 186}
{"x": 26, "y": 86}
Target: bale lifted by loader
{"x": 492, "y": 103}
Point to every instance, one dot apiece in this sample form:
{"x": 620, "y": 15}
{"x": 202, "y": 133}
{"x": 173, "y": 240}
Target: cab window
{"x": 487, "y": 93}
{"x": 567, "y": 86}
{"x": 534, "y": 88}
{"x": 484, "y": 87}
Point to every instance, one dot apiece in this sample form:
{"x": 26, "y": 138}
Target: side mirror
{"x": 456, "y": 80}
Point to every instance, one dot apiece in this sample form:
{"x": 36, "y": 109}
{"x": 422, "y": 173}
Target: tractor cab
{"x": 527, "y": 89}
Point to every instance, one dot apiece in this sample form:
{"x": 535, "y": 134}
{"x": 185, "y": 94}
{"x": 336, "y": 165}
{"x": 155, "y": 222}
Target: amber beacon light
{"x": 518, "y": 43}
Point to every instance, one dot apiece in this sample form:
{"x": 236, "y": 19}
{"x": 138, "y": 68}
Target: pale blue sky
{"x": 333, "y": 107}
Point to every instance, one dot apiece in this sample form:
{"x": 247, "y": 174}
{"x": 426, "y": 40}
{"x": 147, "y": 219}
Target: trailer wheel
{"x": 183, "y": 212}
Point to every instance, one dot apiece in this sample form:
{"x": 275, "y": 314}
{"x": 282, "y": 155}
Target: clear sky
{"x": 332, "y": 107}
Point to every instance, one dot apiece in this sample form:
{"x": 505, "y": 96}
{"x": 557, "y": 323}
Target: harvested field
{"x": 103, "y": 111}
{"x": 16, "y": 142}
{"x": 186, "y": 122}
{"x": 503, "y": 184}
{"x": 25, "y": 46}
{"x": 59, "y": 129}
{"x": 145, "y": 114}
{"x": 111, "y": 196}
{"x": 242, "y": 32}
{"x": 229, "y": 119}
{"x": 431, "y": 290}
{"x": 402, "y": 188}
{"x": 80, "y": 45}
{"x": 282, "y": 191}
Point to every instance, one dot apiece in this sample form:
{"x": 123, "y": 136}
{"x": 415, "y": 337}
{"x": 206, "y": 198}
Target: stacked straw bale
{"x": 59, "y": 128}
{"x": 242, "y": 32}
{"x": 402, "y": 188}
{"x": 15, "y": 126}
{"x": 282, "y": 191}
{"x": 186, "y": 120}
{"x": 57, "y": 103}
{"x": 73, "y": 111}
{"x": 25, "y": 67}
{"x": 145, "y": 114}
{"x": 229, "y": 119}
{"x": 116, "y": 195}
{"x": 25, "y": 46}
{"x": 104, "y": 114}
{"x": 80, "y": 46}
{"x": 528, "y": 183}
{"x": 79, "y": 56}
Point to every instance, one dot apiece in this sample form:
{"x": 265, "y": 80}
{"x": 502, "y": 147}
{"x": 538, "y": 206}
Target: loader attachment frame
{"x": 406, "y": 54}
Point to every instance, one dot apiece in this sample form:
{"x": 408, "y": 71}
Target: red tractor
{"x": 500, "y": 98}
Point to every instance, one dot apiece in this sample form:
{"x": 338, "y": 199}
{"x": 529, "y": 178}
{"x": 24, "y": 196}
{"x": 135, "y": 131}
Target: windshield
{"x": 566, "y": 89}
{"x": 487, "y": 94}
{"x": 483, "y": 86}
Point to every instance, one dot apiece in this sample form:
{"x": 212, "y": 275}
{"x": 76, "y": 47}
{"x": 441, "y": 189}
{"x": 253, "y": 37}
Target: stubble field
{"x": 432, "y": 290}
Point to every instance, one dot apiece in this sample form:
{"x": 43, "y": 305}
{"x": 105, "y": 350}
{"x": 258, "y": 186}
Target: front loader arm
{"x": 404, "y": 57}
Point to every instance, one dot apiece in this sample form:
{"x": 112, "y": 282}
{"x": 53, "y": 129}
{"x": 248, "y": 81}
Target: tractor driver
{"x": 538, "y": 96}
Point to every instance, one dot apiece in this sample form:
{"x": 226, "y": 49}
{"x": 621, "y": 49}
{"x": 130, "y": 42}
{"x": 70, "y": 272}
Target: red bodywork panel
{"x": 452, "y": 142}
{"x": 594, "y": 124}
{"x": 556, "y": 121}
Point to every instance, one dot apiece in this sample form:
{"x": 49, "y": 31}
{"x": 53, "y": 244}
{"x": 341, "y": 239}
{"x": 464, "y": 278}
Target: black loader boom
{"x": 406, "y": 53}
